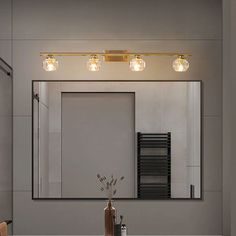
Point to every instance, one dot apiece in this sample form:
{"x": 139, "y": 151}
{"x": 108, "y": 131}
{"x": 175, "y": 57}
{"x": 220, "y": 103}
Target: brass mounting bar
{"x": 81, "y": 54}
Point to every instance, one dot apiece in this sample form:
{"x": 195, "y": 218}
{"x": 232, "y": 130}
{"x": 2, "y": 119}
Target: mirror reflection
{"x": 148, "y": 132}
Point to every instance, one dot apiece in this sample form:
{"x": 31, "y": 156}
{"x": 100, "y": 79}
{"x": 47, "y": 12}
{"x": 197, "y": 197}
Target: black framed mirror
{"x": 147, "y": 131}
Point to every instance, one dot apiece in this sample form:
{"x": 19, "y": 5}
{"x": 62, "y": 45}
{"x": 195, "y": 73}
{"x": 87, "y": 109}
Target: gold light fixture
{"x": 137, "y": 63}
{"x": 116, "y": 55}
{"x": 180, "y": 64}
{"x": 50, "y": 63}
{"x": 94, "y": 64}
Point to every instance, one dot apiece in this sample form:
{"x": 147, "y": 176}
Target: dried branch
{"x": 107, "y": 185}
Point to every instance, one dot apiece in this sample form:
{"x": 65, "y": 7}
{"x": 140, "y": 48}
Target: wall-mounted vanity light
{"x": 136, "y": 63}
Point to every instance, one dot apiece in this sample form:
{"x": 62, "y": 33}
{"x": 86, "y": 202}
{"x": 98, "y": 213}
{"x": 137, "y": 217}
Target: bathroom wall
{"x": 5, "y": 30}
{"x": 193, "y": 134}
{"x": 54, "y": 140}
{"x": 229, "y": 115}
{"x": 5, "y": 146}
{"x": 193, "y": 26}
{"x": 97, "y": 137}
{"x": 6, "y": 110}
{"x": 43, "y": 140}
{"x": 233, "y": 113}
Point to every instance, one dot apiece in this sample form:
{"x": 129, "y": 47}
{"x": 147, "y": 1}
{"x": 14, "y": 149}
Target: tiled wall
{"x": 153, "y": 25}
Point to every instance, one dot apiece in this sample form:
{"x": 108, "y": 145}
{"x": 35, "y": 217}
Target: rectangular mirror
{"x": 147, "y": 131}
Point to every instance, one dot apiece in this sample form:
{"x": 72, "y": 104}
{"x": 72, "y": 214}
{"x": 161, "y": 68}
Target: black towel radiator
{"x": 154, "y": 165}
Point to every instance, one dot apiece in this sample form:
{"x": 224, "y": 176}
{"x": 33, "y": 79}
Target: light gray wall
{"x": 97, "y": 138}
{"x": 229, "y": 111}
{"x": 5, "y": 115}
{"x": 233, "y": 112}
{"x": 43, "y": 140}
{"x": 6, "y": 110}
{"x": 194, "y": 136}
{"x": 5, "y": 30}
{"x": 155, "y": 25}
{"x": 54, "y": 140}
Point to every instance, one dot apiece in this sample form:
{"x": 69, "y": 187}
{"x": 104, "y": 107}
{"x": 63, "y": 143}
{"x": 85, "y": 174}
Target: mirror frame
{"x": 118, "y": 199}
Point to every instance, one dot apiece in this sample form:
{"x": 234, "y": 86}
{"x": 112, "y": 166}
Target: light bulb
{"x": 137, "y": 64}
{"x": 94, "y": 64}
{"x": 180, "y": 64}
{"x": 50, "y": 63}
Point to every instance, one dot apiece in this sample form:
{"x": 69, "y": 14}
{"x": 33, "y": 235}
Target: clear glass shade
{"x": 180, "y": 64}
{"x": 50, "y": 64}
{"x": 137, "y": 64}
{"x": 94, "y": 64}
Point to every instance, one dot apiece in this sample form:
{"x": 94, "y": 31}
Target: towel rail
{"x": 154, "y": 165}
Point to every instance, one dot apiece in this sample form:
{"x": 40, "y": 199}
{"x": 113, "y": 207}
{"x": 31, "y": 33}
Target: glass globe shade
{"x": 50, "y": 64}
{"x": 94, "y": 64}
{"x": 180, "y": 64}
{"x": 137, "y": 64}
